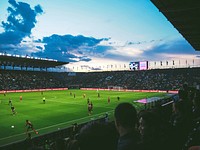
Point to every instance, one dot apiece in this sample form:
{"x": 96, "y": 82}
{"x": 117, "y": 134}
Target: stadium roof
{"x": 184, "y": 16}
{"x": 29, "y": 62}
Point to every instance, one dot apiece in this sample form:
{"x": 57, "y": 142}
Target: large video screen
{"x": 141, "y": 65}
{"x": 134, "y": 65}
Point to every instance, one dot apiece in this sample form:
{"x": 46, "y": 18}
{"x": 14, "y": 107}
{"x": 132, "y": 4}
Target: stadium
{"x": 46, "y": 103}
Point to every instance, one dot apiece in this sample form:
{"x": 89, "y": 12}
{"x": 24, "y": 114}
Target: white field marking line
{"x": 56, "y": 125}
{"x": 77, "y": 103}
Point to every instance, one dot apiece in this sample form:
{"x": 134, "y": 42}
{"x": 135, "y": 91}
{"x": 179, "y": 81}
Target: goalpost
{"x": 115, "y": 88}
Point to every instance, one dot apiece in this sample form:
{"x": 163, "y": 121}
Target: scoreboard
{"x": 139, "y": 65}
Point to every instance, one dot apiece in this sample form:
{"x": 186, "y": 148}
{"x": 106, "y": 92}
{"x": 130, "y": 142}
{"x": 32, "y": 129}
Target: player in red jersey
{"x": 29, "y": 126}
{"x": 20, "y": 98}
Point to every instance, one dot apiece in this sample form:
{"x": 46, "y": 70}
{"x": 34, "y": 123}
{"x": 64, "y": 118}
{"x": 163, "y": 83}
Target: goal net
{"x": 115, "y": 88}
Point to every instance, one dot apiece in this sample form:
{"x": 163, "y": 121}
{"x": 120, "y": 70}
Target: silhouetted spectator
{"x": 184, "y": 92}
{"x": 125, "y": 121}
{"x": 181, "y": 124}
{"x": 196, "y": 107}
{"x": 153, "y": 137}
{"x": 193, "y": 136}
{"x": 97, "y": 136}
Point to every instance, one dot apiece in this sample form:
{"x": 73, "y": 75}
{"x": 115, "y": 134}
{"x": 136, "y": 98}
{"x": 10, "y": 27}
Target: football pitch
{"x": 60, "y": 110}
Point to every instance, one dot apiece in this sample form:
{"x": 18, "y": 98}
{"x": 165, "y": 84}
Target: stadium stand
{"x": 165, "y": 79}
{"x": 8, "y": 60}
{"x": 161, "y": 79}
{"x": 25, "y": 80}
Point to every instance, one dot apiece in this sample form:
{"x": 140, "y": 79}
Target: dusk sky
{"x": 90, "y": 31}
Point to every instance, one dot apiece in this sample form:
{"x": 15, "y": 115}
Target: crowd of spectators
{"x": 26, "y": 80}
{"x": 161, "y": 79}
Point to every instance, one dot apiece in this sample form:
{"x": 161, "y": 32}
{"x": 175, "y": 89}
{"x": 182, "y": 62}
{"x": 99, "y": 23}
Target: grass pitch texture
{"x": 60, "y": 110}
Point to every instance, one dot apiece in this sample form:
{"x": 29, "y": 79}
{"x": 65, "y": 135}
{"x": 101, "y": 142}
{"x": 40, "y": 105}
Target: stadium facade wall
{"x": 159, "y": 64}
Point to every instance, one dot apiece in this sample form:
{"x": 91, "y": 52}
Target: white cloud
{"x": 125, "y": 51}
{"x": 177, "y": 56}
{"x": 96, "y": 61}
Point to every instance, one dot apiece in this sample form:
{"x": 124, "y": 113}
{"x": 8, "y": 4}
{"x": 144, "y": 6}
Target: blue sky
{"x": 90, "y": 31}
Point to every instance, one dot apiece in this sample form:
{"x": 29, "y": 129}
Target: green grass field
{"x": 60, "y": 110}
